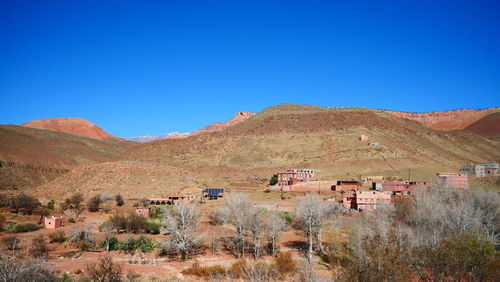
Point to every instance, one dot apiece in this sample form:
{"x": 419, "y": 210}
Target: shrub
{"x": 94, "y": 203}
{"x": 136, "y": 224}
{"x": 25, "y": 227}
{"x": 83, "y": 239}
{"x": 9, "y": 226}
{"x": 146, "y": 244}
{"x": 57, "y": 236}
{"x": 104, "y": 270}
{"x": 2, "y": 221}
{"x": 13, "y": 268}
{"x": 284, "y": 263}
{"x": 204, "y": 271}
{"x": 10, "y": 243}
{"x": 113, "y": 244}
{"x": 127, "y": 245}
{"x": 153, "y": 226}
{"x": 237, "y": 268}
{"x": 119, "y": 200}
{"x": 71, "y": 220}
{"x": 287, "y": 217}
{"x": 38, "y": 248}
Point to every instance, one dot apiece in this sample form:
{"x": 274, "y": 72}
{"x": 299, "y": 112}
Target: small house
{"x": 143, "y": 211}
{"x": 53, "y": 222}
{"x": 363, "y": 138}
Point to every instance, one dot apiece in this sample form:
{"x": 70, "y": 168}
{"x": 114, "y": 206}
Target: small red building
{"x": 143, "y": 211}
{"x": 363, "y": 138}
{"x": 53, "y": 222}
{"x": 346, "y": 185}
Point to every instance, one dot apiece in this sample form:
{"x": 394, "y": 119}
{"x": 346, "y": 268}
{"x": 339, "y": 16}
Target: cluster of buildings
{"x": 481, "y": 170}
{"x": 294, "y": 176}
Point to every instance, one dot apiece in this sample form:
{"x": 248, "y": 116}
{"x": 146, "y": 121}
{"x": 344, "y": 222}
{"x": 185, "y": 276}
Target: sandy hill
{"x": 75, "y": 126}
{"x": 289, "y": 136}
{"x": 447, "y": 120}
{"x": 32, "y": 156}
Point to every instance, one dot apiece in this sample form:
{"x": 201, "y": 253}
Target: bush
{"x": 9, "y": 226}
{"x": 284, "y": 263}
{"x": 83, "y": 239}
{"x": 273, "y": 180}
{"x": 13, "y": 268}
{"x": 104, "y": 270}
{"x": 205, "y": 271}
{"x": 57, "y": 236}
{"x": 10, "y": 243}
{"x": 287, "y": 217}
{"x": 153, "y": 226}
{"x": 237, "y": 268}
{"x": 38, "y": 248}
{"x": 113, "y": 244}
{"x": 119, "y": 200}
{"x": 71, "y": 220}
{"x": 127, "y": 245}
{"x": 146, "y": 244}
{"x": 25, "y": 227}
{"x": 94, "y": 203}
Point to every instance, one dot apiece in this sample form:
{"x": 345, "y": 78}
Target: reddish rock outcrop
{"x": 447, "y": 120}
{"x": 219, "y": 126}
{"x": 75, "y": 126}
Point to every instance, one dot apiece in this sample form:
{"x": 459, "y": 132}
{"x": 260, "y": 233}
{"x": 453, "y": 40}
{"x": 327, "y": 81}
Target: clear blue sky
{"x": 152, "y": 67}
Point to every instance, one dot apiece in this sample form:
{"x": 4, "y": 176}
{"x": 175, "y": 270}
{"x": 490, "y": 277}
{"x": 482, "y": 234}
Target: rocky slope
{"x": 447, "y": 120}
{"x": 144, "y": 139}
{"x": 220, "y": 126}
{"x": 75, "y": 126}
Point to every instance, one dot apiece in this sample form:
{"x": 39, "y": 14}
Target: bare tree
{"x": 275, "y": 225}
{"x": 108, "y": 230}
{"x": 236, "y": 212}
{"x": 257, "y": 227}
{"x": 181, "y": 225}
{"x": 23, "y": 201}
{"x": 94, "y": 203}
{"x": 76, "y": 201}
{"x": 13, "y": 269}
{"x": 311, "y": 213}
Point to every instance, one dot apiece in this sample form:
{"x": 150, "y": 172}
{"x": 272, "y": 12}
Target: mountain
{"x": 447, "y": 120}
{"x": 30, "y": 157}
{"x": 75, "y": 126}
{"x": 488, "y": 126}
{"x": 220, "y": 126}
{"x": 244, "y": 155}
{"x": 144, "y": 139}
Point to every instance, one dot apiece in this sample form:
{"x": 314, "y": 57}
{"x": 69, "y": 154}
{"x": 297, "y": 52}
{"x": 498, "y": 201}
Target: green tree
{"x": 273, "y": 180}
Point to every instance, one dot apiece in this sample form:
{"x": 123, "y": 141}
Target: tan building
{"x": 370, "y": 200}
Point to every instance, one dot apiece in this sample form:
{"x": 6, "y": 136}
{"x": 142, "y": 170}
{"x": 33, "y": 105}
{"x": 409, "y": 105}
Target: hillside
{"x": 288, "y": 136}
{"x": 488, "y": 126}
{"x": 75, "y": 126}
{"x": 32, "y": 156}
{"x": 447, "y": 120}
{"x": 220, "y": 126}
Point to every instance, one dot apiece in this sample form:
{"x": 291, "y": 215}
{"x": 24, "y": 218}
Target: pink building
{"x": 53, "y": 222}
{"x": 143, "y": 211}
{"x": 454, "y": 180}
{"x": 370, "y": 200}
{"x": 294, "y": 176}
{"x": 363, "y": 138}
{"x": 347, "y": 202}
{"x": 346, "y": 185}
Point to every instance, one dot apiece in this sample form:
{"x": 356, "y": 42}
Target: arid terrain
{"x": 76, "y": 170}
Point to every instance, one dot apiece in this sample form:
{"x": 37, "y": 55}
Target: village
{"x": 132, "y": 231}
